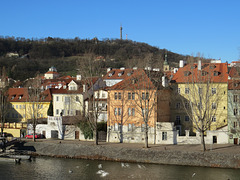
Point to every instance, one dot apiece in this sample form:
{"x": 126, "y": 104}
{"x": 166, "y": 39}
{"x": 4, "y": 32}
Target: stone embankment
{"x": 171, "y": 155}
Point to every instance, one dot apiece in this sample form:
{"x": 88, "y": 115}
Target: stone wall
{"x": 141, "y": 155}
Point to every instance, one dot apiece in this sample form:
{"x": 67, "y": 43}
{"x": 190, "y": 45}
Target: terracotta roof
{"x": 138, "y": 80}
{"x": 118, "y": 74}
{"x": 234, "y": 72}
{"x": 234, "y": 84}
{"x": 216, "y": 72}
{"x": 21, "y": 95}
{"x": 51, "y": 72}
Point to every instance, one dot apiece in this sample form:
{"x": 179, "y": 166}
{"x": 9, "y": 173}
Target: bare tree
{"x": 90, "y": 71}
{"x": 34, "y": 106}
{"x": 202, "y": 88}
{"x": 4, "y": 101}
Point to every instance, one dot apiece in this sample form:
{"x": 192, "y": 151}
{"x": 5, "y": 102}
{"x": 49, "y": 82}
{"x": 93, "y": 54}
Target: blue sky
{"x": 188, "y": 27}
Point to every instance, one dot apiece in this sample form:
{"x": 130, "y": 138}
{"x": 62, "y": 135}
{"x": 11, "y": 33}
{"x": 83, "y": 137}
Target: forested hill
{"x": 37, "y": 55}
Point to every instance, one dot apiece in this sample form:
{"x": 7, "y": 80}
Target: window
{"x": 20, "y": 106}
{"x": 129, "y": 111}
{"x": 147, "y": 95}
{"x": 119, "y": 95}
{"x": 143, "y": 96}
{"x": 115, "y": 111}
{"x": 235, "y": 98}
{"x": 16, "y": 106}
{"x": 57, "y": 111}
{"x": 214, "y": 91}
{"x": 199, "y": 90}
{"x": 187, "y": 90}
{"x": 115, "y": 96}
{"x": 214, "y": 106}
{"x": 187, "y": 106}
{"x": 129, "y": 127}
{"x": 178, "y": 105}
{"x": 186, "y": 118}
{"x": 234, "y": 124}
{"x": 133, "y": 95}
{"x": 214, "y": 119}
{"x": 178, "y": 120}
{"x": 164, "y": 136}
{"x": 67, "y": 100}
{"x": 57, "y": 98}
{"x": 235, "y": 112}
{"x": 116, "y": 127}
{"x": 129, "y": 95}
{"x": 77, "y": 99}
{"x": 133, "y": 111}
{"x": 178, "y": 90}
{"x": 119, "y": 111}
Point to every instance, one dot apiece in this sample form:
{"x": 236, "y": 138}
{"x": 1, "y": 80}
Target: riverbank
{"x": 222, "y": 156}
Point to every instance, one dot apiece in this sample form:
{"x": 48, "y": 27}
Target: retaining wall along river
{"x": 141, "y": 155}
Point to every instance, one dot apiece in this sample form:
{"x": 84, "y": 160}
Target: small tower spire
{"x": 165, "y": 64}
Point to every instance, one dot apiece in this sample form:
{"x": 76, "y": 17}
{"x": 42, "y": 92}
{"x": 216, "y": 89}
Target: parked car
{"x": 30, "y": 136}
{"x": 6, "y": 134}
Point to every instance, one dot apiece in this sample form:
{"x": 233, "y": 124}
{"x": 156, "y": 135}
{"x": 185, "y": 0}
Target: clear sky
{"x": 188, "y": 27}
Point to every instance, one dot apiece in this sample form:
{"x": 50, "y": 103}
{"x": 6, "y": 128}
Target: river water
{"x": 57, "y": 168}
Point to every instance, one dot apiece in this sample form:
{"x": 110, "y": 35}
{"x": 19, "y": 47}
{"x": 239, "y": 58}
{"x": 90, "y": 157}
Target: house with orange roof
{"x": 21, "y": 104}
{"x": 201, "y": 91}
{"x": 139, "y": 103}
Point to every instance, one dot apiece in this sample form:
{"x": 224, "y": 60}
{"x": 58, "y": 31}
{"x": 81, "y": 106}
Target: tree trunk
{"x": 34, "y": 132}
{"x": 96, "y": 136}
{"x": 146, "y": 135}
{"x": 203, "y": 146}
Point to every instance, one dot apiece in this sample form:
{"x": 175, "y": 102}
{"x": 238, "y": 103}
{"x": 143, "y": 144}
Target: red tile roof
{"x": 234, "y": 72}
{"x": 21, "y": 95}
{"x": 118, "y": 73}
{"x": 215, "y": 72}
{"x": 234, "y": 84}
{"x": 138, "y": 80}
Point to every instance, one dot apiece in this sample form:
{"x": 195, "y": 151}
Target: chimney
{"x": 79, "y": 77}
{"x": 199, "y": 65}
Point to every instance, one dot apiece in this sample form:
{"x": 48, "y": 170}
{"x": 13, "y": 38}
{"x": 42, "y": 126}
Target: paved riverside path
{"x": 224, "y": 156}
{"x": 218, "y": 148}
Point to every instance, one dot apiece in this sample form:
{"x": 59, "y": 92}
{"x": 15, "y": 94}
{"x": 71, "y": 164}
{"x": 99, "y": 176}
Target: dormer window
{"x": 204, "y": 73}
{"x": 13, "y": 96}
{"x": 187, "y": 73}
{"x": 216, "y": 73}
{"x": 119, "y": 74}
{"x": 212, "y": 66}
{"x": 20, "y": 96}
{"x": 110, "y": 74}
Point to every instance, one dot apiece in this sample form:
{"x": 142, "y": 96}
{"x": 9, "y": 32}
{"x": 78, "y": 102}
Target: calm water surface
{"x": 56, "y": 168}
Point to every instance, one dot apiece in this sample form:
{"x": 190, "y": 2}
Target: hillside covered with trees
{"x": 37, "y": 55}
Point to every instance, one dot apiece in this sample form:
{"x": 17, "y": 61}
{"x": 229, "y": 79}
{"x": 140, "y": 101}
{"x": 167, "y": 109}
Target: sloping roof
{"x": 138, "y": 80}
{"x": 21, "y": 95}
{"x": 213, "y": 72}
{"x": 118, "y": 74}
{"x": 234, "y": 84}
{"x": 234, "y": 72}
{"x": 51, "y": 72}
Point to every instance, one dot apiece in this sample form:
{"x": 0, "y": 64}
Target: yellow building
{"x": 201, "y": 97}
{"x": 21, "y": 108}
